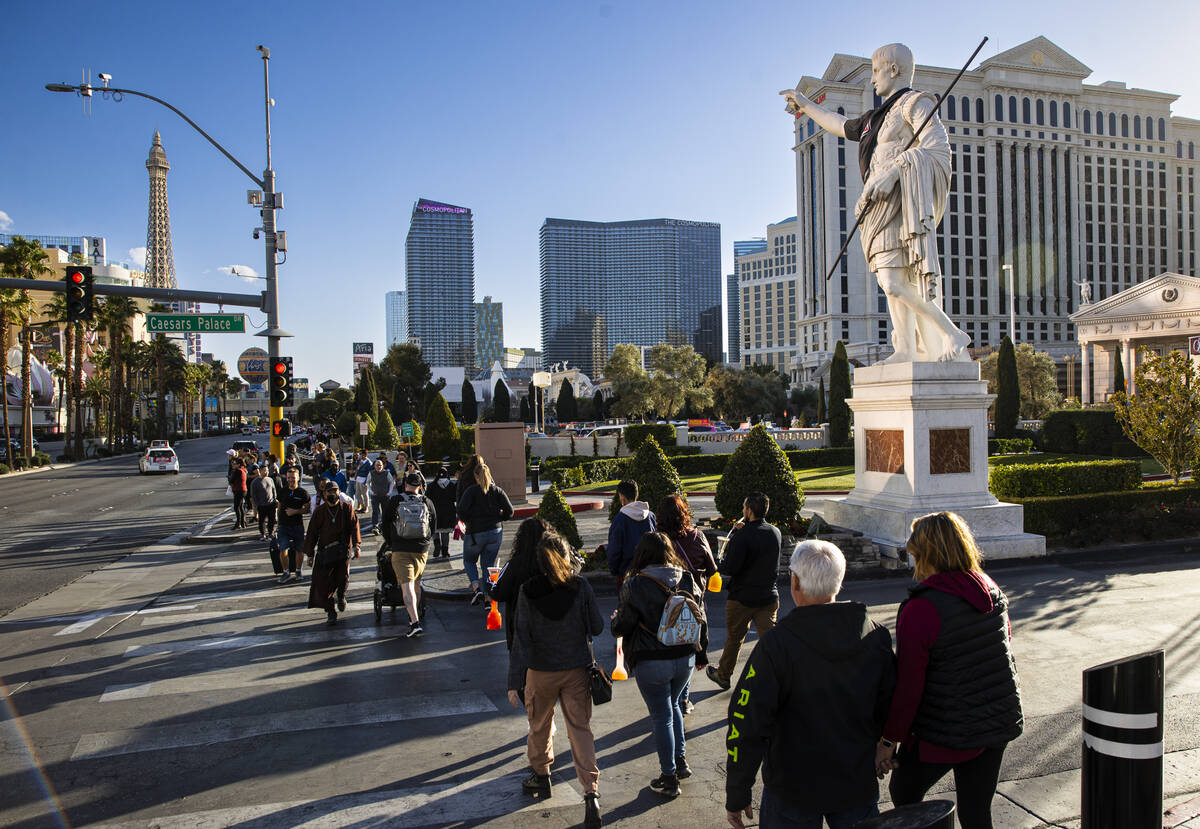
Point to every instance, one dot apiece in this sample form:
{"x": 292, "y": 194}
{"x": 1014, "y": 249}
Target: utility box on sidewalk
{"x": 1122, "y": 770}
{"x": 502, "y": 446}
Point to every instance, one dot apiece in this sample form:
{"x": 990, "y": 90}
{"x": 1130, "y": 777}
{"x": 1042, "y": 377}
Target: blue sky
{"x": 520, "y": 110}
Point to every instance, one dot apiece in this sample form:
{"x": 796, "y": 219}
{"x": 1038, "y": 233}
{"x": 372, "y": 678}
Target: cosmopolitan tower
{"x": 439, "y": 264}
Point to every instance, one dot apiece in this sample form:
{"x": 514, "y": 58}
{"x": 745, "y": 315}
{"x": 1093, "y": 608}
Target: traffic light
{"x": 281, "y": 429}
{"x": 281, "y": 382}
{"x": 81, "y": 297}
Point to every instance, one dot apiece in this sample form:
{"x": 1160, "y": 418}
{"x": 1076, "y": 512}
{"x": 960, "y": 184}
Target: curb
{"x": 580, "y": 506}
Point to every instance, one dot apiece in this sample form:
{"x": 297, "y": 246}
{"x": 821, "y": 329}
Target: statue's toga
{"x": 903, "y": 199}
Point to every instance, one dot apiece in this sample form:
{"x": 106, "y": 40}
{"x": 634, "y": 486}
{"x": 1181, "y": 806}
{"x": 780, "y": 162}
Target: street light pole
{"x": 1012, "y": 305}
{"x": 271, "y": 203}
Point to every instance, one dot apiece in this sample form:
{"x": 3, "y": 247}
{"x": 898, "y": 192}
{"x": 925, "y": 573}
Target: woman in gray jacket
{"x": 557, "y": 616}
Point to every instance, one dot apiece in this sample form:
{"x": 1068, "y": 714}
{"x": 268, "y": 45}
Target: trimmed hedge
{"x": 1081, "y": 431}
{"x": 568, "y": 471}
{"x": 1034, "y": 480}
{"x": 813, "y": 458}
{"x": 1009, "y": 446}
{"x": 636, "y": 434}
{"x": 1153, "y": 512}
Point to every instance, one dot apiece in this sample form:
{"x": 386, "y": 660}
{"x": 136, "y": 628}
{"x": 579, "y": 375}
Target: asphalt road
{"x": 197, "y": 692}
{"x": 57, "y": 525}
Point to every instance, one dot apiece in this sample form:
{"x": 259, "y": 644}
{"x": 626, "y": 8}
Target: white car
{"x": 160, "y": 444}
{"x": 159, "y": 460}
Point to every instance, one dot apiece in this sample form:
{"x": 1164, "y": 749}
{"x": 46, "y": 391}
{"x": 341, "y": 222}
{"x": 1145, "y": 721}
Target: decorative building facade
{"x": 1057, "y": 183}
{"x": 439, "y": 261}
{"x": 489, "y": 332}
{"x": 396, "y": 317}
{"x": 640, "y": 282}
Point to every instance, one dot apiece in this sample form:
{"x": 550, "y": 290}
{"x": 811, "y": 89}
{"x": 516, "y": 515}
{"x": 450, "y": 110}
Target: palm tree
{"x": 23, "y": 259}
{"x": 163, "y": 353}
{"x": 56, "y": 309}
{"x": 220, "y": 375}
{"x": 233, "y": 388}
{"x": 116, "y": 314}
{"x": 203, "y": 376}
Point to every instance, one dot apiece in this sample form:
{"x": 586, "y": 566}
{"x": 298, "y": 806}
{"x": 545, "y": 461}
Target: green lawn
{"x": 842, "y": 477}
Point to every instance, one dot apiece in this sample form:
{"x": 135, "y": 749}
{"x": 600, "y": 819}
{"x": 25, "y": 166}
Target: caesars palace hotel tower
{"x": 1065, "y": 181}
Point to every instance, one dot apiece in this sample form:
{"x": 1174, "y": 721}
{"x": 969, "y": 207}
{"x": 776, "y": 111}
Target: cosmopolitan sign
{"x": 433, "y": 207}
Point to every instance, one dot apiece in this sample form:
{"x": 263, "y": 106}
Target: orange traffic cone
{"x": 618, "y": 672}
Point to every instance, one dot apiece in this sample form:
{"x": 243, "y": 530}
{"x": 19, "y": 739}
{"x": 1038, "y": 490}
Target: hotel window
{"x": 1066, "y": 115}
{"x": 1054, "y": 113}
{"x": 1099, "y": 122}
{"x": 999, "y": 107}
{"x": 979, "y": 110}
{"x": 1025, "y": 110}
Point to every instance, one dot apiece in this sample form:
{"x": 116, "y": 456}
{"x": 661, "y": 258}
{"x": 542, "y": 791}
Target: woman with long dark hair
{"x": 483, "y": 507}
{"x": 521, "y": 567}
{"x": 663, "y": 672}
{"x": 556, "y": 618}
{"x": 957, "y": 702}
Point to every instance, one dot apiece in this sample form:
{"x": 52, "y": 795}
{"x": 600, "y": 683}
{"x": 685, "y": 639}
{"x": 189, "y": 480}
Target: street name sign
{"x": 406, "y": 429}
{"x": 196, "y": 323}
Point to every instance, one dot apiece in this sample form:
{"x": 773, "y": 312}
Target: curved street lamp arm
{"x": 107, "y": 91}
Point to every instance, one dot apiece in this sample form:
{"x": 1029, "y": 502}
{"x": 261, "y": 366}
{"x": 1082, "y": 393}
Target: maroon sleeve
{"x": 853, "y": 128}
{"x": 916, "y": 631}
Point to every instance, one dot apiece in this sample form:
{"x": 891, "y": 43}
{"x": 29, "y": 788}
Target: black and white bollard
{"x": 1122, "y": 772}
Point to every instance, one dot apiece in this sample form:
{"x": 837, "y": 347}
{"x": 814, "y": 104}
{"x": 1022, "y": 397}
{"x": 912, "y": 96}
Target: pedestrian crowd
{"x": 823, "y": 707}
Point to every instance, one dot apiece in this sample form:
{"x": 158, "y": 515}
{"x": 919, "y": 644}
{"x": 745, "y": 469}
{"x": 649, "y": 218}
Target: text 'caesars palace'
{"x": 1069, "y": 183}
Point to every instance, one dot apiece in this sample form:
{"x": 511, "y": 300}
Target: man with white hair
{"x": 810, "y": 706}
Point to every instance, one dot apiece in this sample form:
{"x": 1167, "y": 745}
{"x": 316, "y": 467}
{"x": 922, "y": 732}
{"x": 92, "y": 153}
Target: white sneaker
{"x": 292, "y": 576}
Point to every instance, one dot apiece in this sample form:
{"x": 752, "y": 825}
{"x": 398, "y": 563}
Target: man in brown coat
{"x": 332, "y": 535}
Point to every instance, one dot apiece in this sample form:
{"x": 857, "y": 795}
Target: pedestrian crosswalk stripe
{"x": 244, "y": 594}
{"x": 342, "y": 715}
{"x": 290, "y": 638}
{"x": 459, "y": 804}
{"x": 83, "y": 623}
{"x": 203, "y": 578}
{"x": 244, "y": 613}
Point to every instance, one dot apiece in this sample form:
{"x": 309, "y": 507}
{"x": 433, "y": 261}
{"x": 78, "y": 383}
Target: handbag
{"x": 598, "y": 681}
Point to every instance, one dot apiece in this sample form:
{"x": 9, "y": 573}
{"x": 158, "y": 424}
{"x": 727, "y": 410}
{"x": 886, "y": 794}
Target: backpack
{"x": 681, "y": 617}
{"x": 412, "y": 521}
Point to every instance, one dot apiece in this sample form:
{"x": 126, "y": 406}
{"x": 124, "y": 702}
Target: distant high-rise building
{"x": 397, "y": 318}
{"x": 440, "y": 275}
{"x": 733, "y": 305}
{"x": 92, "y": 248}
{"x": 489, "y": 332}
{"x": 160, "y": 260}
{"x": 640, "y": 282}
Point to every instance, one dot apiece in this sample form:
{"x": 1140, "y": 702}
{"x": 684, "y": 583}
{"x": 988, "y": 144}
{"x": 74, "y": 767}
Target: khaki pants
{"x": 569, "y": 688}
{"x": 737, "y": 622}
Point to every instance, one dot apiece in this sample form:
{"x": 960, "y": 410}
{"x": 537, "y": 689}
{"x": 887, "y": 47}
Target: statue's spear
{"x": 858, "y": 221}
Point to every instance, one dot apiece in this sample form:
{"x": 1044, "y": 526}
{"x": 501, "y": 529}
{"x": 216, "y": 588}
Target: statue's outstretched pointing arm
{"x": 798, "y": 105}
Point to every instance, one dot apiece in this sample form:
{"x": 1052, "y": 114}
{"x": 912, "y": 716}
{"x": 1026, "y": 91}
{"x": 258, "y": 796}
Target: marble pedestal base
{"x": 920, "y": 446}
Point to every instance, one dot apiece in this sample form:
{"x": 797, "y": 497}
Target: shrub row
{"x": 569, "y": 471}
{"x": 636, "y": 433}
{"x": 1081, "y": 431}
{"x": 1034, "y": 480}
{"x": 1148, "y": 513}
{"x": 1009, "y": 446}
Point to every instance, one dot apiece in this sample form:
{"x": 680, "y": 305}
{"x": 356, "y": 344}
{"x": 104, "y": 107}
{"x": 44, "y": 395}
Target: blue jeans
{"x": 479, "y": 553}
{"x": 377, "y": 505}
{"x": 777, "y": 813}
{"x": 663, "y": 684}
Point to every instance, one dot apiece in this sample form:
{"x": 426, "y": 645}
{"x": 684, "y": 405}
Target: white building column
{"x": 1085, "y": 366}
{"x": 1127, "y": 364}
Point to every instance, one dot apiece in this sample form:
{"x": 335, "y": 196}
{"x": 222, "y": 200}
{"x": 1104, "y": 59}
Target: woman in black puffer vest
{"x": 957, "y": 703}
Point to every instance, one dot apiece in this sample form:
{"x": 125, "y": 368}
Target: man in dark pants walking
{"x": 749, "y": 570}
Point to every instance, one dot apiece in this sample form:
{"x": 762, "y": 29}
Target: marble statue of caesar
{"x": 903, "y": 199}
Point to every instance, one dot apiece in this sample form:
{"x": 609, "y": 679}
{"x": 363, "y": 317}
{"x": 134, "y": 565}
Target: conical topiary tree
{"x": 565, "y": 406}
{"x": 759, "y": 465}
{"x": 1008, "y": 391}
{"x": 366, "y": 400}
{"x": 1119, "y": 384}
{"x": 417, "y": 439}
{"x": 384, "y": 435}
{"x": 401, "y": 404}
{"x": 470, "y": 408}
{"x": 557, "y": 513}
{"x": 524, "y": 408}
{"x": 655, "y": 475}
{"x": 501, "y": 403}
{"x": 839, "y": 391}
{"x": 821, "y": 415}
{"x": 441, "y": 433}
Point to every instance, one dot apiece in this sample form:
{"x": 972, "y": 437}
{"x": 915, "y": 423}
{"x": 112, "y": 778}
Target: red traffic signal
{"x": 281, "y": 382}
{"x": 80, "y": 293}
{"x": 281, "y": 428}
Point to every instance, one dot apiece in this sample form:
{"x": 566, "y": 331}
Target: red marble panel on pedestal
{"x": 885, "y": 451}
{"x": 949, "y": 451}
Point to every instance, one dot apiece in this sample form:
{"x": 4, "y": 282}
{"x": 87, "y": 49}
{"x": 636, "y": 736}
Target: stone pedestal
{"x": 502, "y": 446}
{"x": 920, "y": 446}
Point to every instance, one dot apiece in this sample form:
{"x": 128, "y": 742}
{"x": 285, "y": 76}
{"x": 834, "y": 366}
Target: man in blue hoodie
{"x": 631, "y": 522}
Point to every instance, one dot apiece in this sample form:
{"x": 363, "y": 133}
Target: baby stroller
{"x": 386, "y": 589}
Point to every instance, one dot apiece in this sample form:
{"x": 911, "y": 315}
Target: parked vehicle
{"x": 159, "y": 460}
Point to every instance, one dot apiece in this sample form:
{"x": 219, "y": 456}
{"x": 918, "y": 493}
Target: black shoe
{"x": 537, "y": 785}
{"x": 414, "y": 630}
{"x": 591, "y": 811}
{"x": 341, "y": 603}
{"x": 332, "y": 618}
{"x": 682, "y": 770}
{"x": 666, "y": 785}
{"x": 711, "y": 673}
{"x": 477, "y": 597}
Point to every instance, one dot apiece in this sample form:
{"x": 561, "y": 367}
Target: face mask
{"x": 331, "y": 499}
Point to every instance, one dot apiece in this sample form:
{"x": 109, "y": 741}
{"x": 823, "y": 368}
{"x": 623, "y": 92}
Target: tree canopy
{"x": 1163, "y": 414}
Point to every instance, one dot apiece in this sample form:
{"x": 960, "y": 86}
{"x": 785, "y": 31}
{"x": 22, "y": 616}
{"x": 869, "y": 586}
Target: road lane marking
{"x": 460, "y": 804}
{"x": 342, "y": 715}
{"x": 329, "y": 636}
{"x": 246, "y": 594}
{"x": 204, "y": 579}
{"x": 83, "y": 623}
{"x": 244, "y": 615}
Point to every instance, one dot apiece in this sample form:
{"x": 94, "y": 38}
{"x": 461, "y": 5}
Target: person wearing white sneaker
{"x": 408, "y": 523}
{"x": 293, "y": 504}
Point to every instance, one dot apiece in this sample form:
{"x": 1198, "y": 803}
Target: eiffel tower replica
{"x": 160, "y": 261}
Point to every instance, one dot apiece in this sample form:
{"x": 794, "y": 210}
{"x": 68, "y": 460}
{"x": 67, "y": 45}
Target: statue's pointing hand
{"x": 796, "y": 102}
